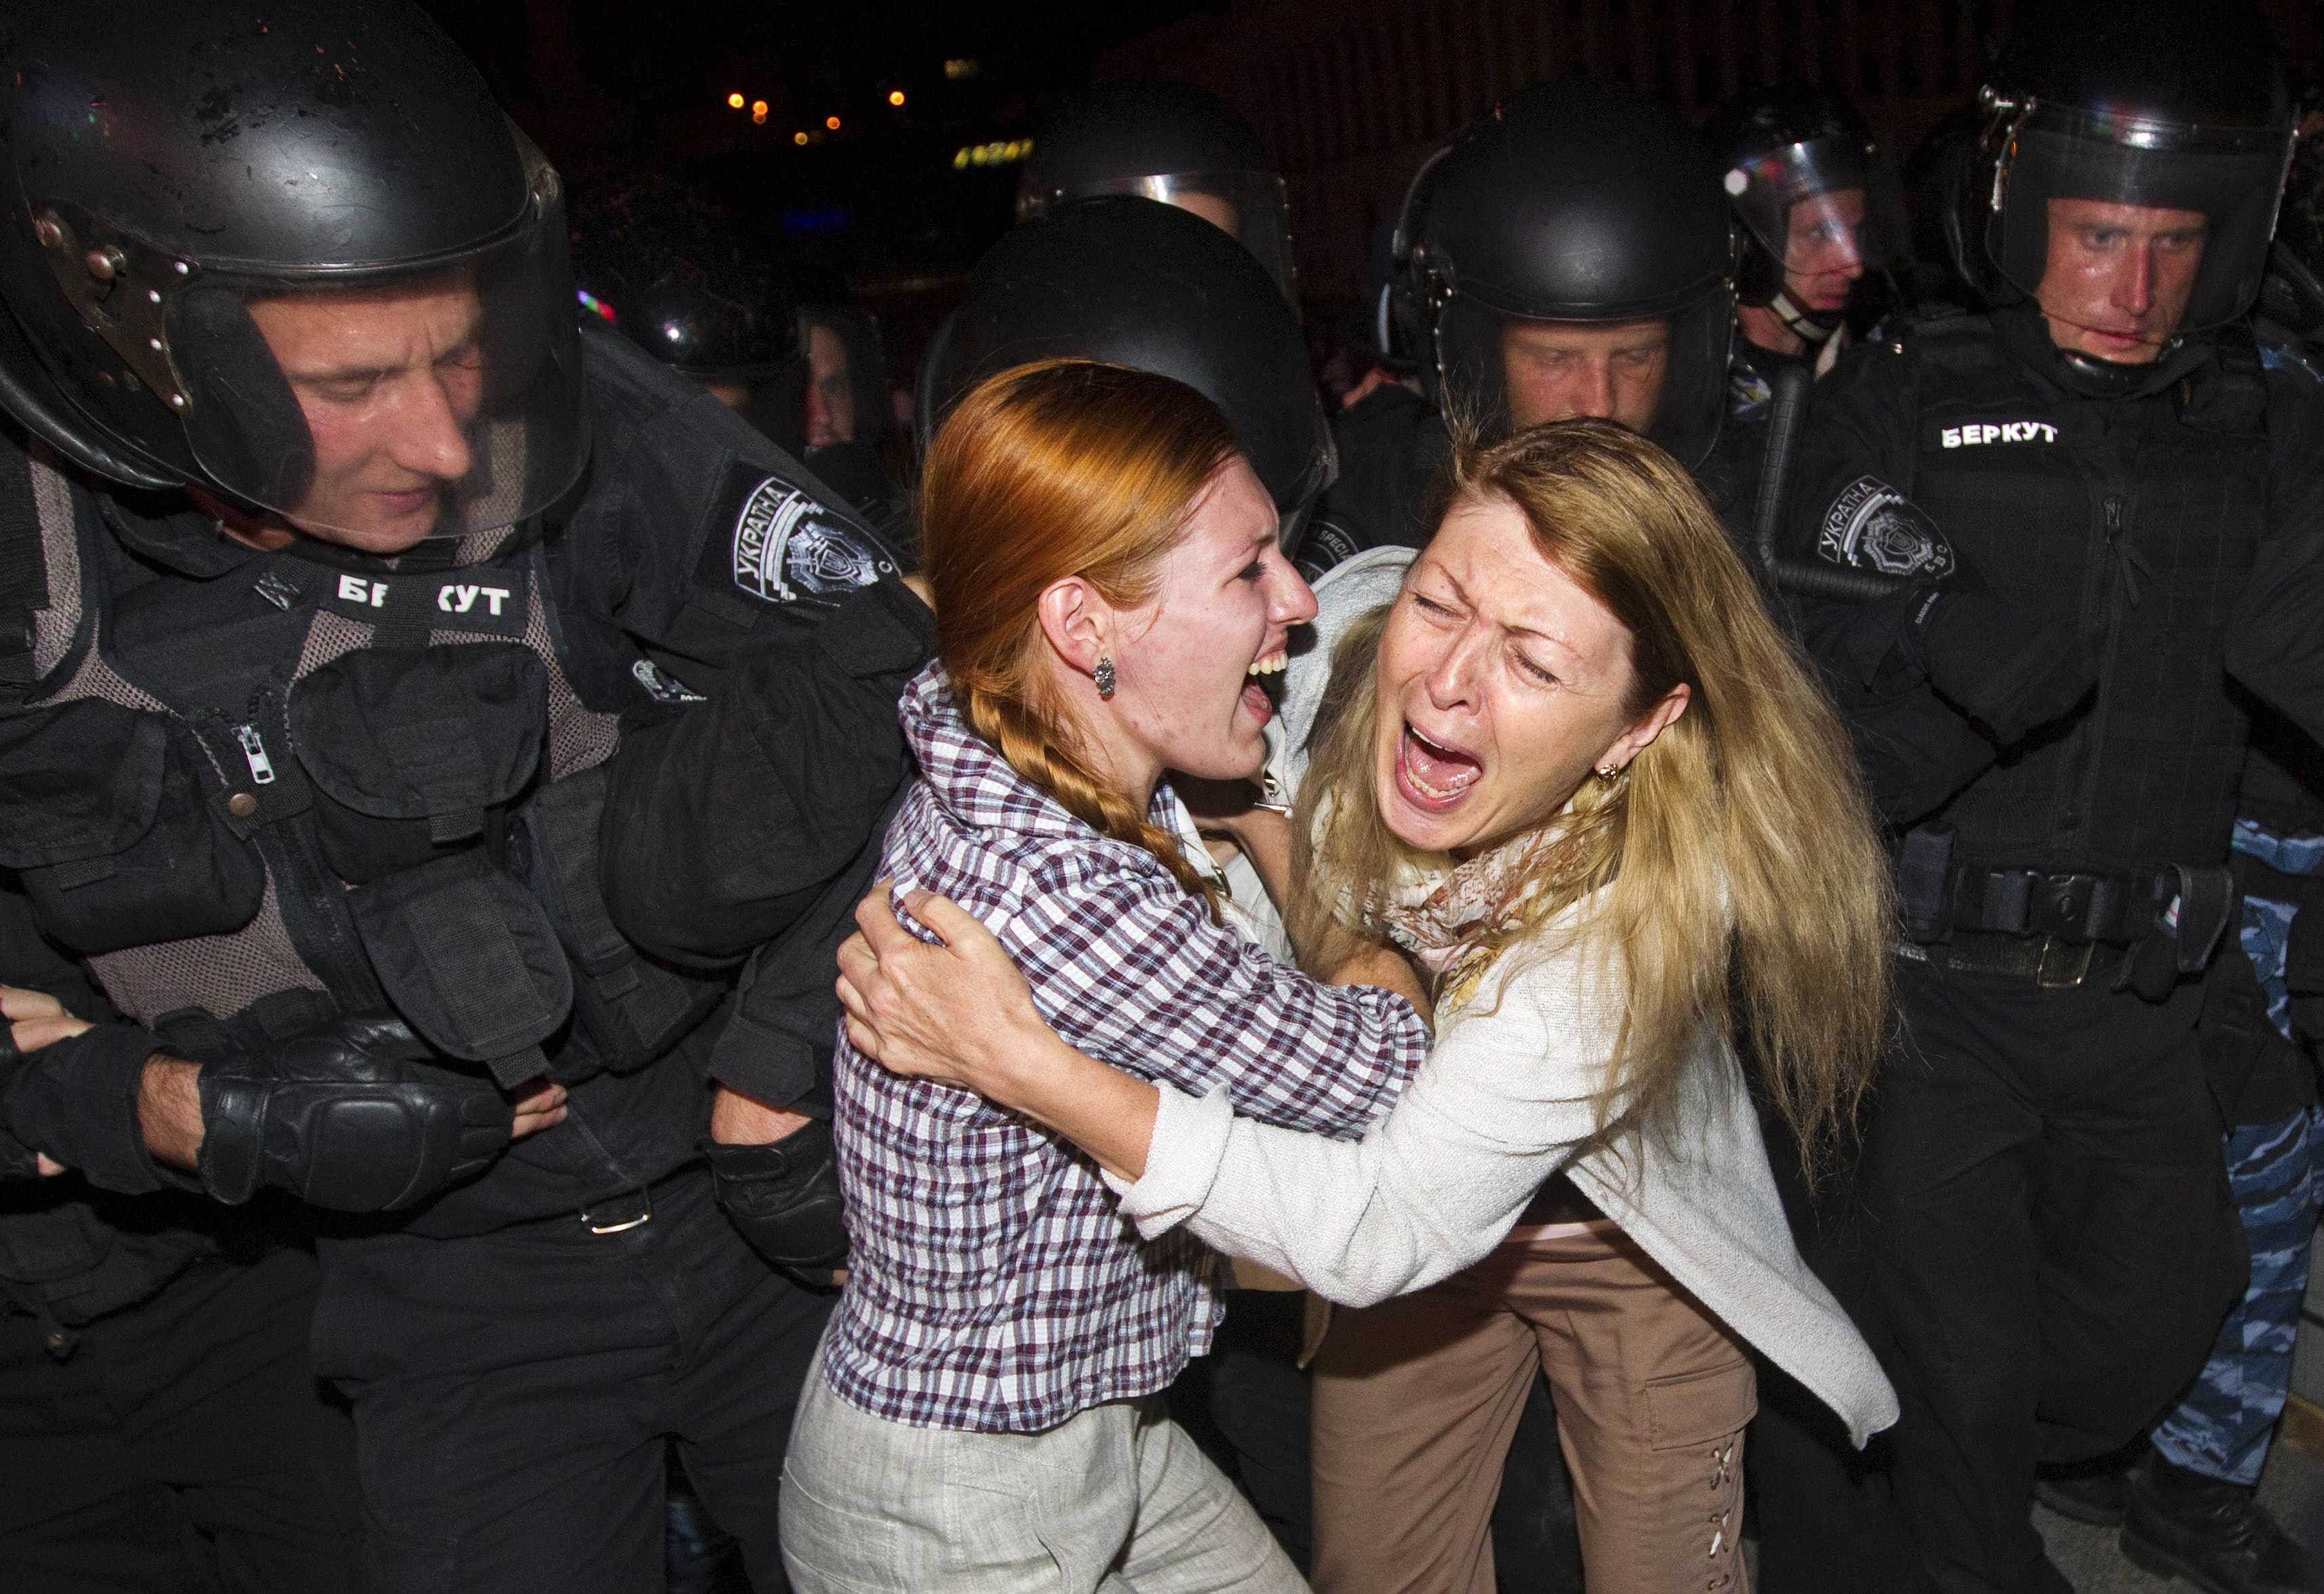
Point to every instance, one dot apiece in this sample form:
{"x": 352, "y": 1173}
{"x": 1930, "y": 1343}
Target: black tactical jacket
{"x": 253, "y": 791}
{"x": 2183, "y": 524}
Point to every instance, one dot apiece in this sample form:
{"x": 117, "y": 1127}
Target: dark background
{"x": 876, "y": 210}
{"x": 1348, "y": 96}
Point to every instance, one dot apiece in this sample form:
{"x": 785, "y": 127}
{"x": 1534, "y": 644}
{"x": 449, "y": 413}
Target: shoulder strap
{"x": 2229, "y": 395}
{"x": 24, "y": 571}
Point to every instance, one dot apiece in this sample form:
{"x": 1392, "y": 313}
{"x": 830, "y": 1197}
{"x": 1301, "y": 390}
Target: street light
{"x": 832, "y": 123}
{"x": 735, "y": 100}
{"x": 895, "y": 97}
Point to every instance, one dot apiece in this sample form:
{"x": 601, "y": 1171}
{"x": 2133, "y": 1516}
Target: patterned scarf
{"x": 1446, "y": 915}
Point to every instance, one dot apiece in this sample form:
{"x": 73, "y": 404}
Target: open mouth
{"x": 1434, "y": 775}
{"x": 1255, "y": 700}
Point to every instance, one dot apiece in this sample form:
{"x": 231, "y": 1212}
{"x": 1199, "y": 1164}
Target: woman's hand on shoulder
{"x": 961, "y": 1014}
{"x": 957, "y": 1012}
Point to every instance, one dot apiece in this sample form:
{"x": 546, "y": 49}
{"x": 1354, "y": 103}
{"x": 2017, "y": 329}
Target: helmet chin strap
{"x": 2095, "y": 378}
{"x": 1815, "y": 325}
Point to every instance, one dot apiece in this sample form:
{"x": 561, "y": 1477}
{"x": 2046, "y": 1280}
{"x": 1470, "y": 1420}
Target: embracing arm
{"x": 1499, "y": 1105}
{"x": 909, "y": 1006}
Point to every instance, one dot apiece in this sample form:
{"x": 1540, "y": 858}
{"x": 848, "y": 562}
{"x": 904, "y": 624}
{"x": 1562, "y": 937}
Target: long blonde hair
{"x": 1058, "y": 468}
{"x": 1748, "y": 889}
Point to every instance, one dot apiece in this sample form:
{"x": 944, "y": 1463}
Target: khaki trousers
{"x": 1416, "y": 1399}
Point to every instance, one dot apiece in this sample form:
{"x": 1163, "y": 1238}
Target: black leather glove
{"x": 785, "y": 1199}
{"x": 2012, "y": 661}
{"x": 355, "y": 1117}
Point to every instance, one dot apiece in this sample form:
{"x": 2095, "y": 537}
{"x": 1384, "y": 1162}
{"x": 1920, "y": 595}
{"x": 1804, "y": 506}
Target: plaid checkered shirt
{"x": 993, "y": 1286}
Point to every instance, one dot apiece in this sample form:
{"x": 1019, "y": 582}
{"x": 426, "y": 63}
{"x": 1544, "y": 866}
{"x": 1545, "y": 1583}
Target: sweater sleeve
{"x": 1499, "y": 1105}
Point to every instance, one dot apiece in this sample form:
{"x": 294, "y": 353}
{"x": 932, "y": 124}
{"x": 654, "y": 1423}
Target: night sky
{"x": 874, "y": 211}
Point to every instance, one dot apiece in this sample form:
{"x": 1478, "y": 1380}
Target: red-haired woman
{"x": 1107, "y": 586}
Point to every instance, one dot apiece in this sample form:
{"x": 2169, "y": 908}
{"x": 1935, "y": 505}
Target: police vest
{"x": 2143, "y": 517}
{"x": 292, "y": 791}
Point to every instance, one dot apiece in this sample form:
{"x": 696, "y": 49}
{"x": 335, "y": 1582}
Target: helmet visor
{"x": 2195, "y": 206}
{"x": 1662, "y": 376}
{"x": 1829, "y": 209}
{"x": 1251, "y": 206}
{"x": 381, "y": 406}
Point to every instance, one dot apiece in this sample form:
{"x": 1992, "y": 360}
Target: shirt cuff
{"x": 1182, "y": 1160}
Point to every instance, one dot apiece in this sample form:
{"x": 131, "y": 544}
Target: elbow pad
{"x": 785, "y": 1199}
{"x": 355, "y": 1117}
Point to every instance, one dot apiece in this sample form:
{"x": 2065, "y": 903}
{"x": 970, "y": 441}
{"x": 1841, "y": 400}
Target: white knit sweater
{"x": 1500, "y": 1105}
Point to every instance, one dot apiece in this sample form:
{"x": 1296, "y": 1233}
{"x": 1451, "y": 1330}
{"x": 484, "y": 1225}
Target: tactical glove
{"x": 785, "y": 1199}
{"x": 2013, "y": 662}
{"x": 355, "y": 1117}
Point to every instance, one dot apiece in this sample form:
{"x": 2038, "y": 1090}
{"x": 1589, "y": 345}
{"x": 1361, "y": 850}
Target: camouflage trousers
{"x": 2223, "y": 1426}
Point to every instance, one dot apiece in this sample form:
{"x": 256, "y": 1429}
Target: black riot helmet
{"x": 293, "y": 254}
{"x": 2164, "y": 104}
{"x": 1144, "y": 285}
{"x": 695, "y": 287}
{"x": 1818, "y": 197}
{"x": 1170, "y": 141}
{"x": 681, "y": 277}
{"x": 1570, "y": 211}
{"x": 2292, "y": 293}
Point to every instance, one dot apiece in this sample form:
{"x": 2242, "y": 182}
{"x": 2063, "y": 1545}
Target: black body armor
{"x": 1950, "y": 462}
{"x": 261, "y": 792}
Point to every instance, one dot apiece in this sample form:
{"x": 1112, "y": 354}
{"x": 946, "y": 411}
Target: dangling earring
{"x": 1104, "y": 674}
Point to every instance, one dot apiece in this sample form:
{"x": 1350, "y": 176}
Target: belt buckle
{"x": 2064, "y": 965}
{"x": 613, "y": 1214}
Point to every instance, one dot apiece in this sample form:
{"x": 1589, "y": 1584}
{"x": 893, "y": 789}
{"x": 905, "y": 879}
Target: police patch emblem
{"x": 661, "y": 685}
{"x": 1871, "y": 526}
{"x": 786, "y": 545}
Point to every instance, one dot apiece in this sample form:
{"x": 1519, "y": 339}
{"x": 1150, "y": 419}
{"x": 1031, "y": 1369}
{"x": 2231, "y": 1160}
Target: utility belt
{"x": 2058, "y": 928}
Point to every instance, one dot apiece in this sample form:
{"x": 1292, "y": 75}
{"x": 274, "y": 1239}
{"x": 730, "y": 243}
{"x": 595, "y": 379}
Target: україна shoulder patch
{"x": 1871, "y": 526}
{"x": 777, "y": 544}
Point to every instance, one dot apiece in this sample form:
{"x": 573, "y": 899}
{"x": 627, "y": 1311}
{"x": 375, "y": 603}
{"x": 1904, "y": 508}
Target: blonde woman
{"x": 1579, "y": 779}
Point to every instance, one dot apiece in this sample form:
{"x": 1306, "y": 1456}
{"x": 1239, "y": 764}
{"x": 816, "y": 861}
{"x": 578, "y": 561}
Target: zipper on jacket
{"x": 253, "y": 754}
{"x": 2118, "y": 593}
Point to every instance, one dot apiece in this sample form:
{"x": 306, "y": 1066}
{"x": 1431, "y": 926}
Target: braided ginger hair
{"x": 1055, "y": 469}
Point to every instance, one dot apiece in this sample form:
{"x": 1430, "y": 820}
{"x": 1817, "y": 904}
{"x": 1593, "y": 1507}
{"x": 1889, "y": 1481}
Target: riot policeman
{"x": 849, "y": 412}
{"x": 684, "y": 278}
{"x": 1568, "y": 254}
{"x": 1817, "y": 207}
{"x": 1817, "y": 197}
{"x": 324, "y": 659}
{"x": 1165, "y": 141}
{"x": 2099, "y": 505}
{"x": 2190, "y": 1508}
{"x": 679, "y": 275}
